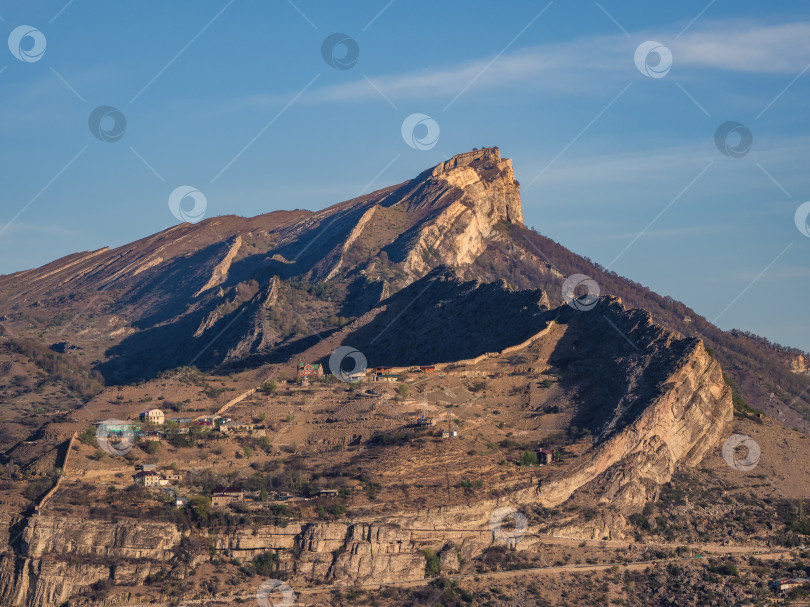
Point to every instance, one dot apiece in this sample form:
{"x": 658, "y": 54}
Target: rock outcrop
{"x": 487, "y": 193}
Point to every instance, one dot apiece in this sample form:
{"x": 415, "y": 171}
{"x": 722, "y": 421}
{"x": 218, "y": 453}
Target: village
{"x": 156, "y": 426}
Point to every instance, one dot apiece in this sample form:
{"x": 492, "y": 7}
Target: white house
{"x": 148, "y": 478}
{"x": 153, "y": 416}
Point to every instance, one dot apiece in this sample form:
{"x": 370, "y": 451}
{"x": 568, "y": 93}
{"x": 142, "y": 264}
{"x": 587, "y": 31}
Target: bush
{"x": 529, "y": 458}
{"x": 726, "y": 568}
{"x": 432, "y": 565}
{"x": 88, "y": 435}
{"x": 201, "y": 508}
{"x": 267, "y": 564}
{"x": 268, "y": 387}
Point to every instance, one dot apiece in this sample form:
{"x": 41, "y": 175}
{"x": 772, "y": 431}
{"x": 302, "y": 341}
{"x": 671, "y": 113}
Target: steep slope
{"x": 763, "y": 375}
{"x": 229, "y": 287}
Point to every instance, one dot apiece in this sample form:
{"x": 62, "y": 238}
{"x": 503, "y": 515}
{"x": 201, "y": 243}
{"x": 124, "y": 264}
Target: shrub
{"x": 267, "y": 564}
{"x": 529, "y": 458}
{"x": 268, "y": 387}
{"x": 432, "y": 565}
{"x": 88, "y": 435}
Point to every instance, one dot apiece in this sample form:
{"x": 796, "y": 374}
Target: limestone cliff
{"x": 487, "y": 193}
{"x": 678, "y": 428}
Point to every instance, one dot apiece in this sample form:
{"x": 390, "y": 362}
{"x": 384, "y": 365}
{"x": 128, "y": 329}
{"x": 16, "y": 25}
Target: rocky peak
{"x": 485, "y": 193}
{"x": 489, "y": 182}
{"x": 484, "y": 155}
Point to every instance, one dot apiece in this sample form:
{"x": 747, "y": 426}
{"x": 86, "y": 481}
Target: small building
{"x": 309, "y": 370}
{"x": 181, "y": 502}
{"x": 449, "y": 434}
{"x": 385, "y": 377}
{"x": 152, "y": 416}
{"x": 328, "y": 493}
{"x": 240, "y": 427}
{"x": 427, "y": 368}
{"x": 356, "y": 376}
{"x": 147, "y": 478}
{"x": 146, "y": 467}
{"x": 227, "y": 495}
{"x": 423, "y": 421}
{"x": 172, "y": 476}
{"x": 181, "y": 421}
{"x": 789, "y": 583}
{"x": 545, "y": 456}
{"x": 382, "y": 370}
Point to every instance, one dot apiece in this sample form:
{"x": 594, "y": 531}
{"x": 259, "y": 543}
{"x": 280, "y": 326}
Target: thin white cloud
{"x": 587, "y": 63}
{"x": 33, "y": 228}
{"x": 746, "y": 47}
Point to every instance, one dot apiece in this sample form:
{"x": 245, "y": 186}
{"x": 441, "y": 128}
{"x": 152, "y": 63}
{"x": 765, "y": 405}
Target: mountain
{"x": 232, "y": 293}
{"x": 627, "y": 400}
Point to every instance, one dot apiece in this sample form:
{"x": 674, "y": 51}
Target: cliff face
{"x": 45, "y": 535}
{"x": 335, "y": 553}
{"x": 60, "y": 557}
{"x": 487, "y": 194}
{"x": 677, "y": 428}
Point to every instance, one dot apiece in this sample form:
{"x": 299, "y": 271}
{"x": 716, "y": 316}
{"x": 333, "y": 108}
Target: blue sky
{"x": 235, "y": 99}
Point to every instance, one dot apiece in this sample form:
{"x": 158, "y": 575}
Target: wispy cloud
{"x": 35, "y": 228}
{"x": 746, "y": 47}
{"x": 585, "y": 64}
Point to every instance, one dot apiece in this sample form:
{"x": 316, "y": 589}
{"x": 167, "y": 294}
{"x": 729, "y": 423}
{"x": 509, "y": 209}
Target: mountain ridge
{"x": 266, "y": 283}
